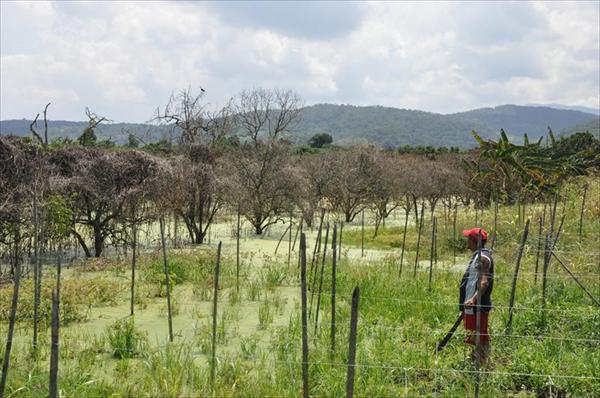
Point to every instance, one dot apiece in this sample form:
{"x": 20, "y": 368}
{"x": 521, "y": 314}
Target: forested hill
{"x": 388, "y": 127}
{"x": 533, "y": 120}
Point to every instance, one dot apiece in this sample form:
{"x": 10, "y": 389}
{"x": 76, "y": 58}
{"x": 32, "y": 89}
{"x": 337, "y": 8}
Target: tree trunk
{"x": 98, "y": 240}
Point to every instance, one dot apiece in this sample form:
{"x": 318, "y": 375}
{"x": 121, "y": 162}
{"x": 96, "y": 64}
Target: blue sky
{"x": 123, "y": 59}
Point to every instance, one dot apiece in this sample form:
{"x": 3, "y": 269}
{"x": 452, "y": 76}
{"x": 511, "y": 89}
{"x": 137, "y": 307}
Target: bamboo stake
{"x": 362, "y": 233}
{"x": 317, "y": 247}
{"x": 314, "y": 281}
{"x": 321, "y": 279}
{"x": 305, "y": 392}
{"x": 404, "y": 240}
{"x": 352, "y": 343}
{"x": 214, "y": 316}
{"x": 296, "y": 234}
{"x": 237, "y": 252}
{"x": 515, "y": 276}
{"x": 333, "y": 287}
{"x": 341, "y": 231}
{"x": 494, "y": 235}
{"x": 539, "y": 249}
{"x": 290, "y": 242}
{"x": 547, "y": 257}
{"x": 454, "y": 235}
{"x": 594, "y": 299}
{"x": 281, "y": 238}
{"x": 478, "y": 316}
{"x": 167, "y": 277}
{"x": 585, "y": 189}
{"x": 301, "y": 231}
{"x": 419, "y": 239}
{"x": 435, "y": 239}
{"x": 431, "y": 252}
{"x": 133, "y": 264}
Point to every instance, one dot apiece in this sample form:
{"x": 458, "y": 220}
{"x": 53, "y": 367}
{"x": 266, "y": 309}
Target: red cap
{"x": 474, "y": 233}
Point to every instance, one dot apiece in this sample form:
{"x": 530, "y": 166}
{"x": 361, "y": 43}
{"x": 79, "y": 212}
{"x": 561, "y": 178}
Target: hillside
{"x": 117, "y": 132}
{"x": 388, "y": 127}
{"x": 592, "y": 126}
{"x": 533, "y": 120}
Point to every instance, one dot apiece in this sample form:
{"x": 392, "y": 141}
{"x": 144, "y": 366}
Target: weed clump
{"x": 125, "y": 340}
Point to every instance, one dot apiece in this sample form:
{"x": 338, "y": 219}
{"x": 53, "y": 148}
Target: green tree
{"x": 132, "y": 141}
{"x": 88, "y": 137}
{"x": 320, "y": 140}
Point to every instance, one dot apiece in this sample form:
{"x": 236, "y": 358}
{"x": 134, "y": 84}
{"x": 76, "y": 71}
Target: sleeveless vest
{"x": 468, "y": 284}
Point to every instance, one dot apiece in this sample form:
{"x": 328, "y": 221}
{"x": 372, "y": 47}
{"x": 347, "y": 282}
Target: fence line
{"x": 443, "y": 331}
{"x": 383, "y": 298}
{"x": 382, "y": 366}
{"x": 447, "y": 370}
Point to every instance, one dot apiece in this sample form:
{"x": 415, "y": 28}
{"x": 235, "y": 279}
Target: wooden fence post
{"x": 167, "y": 276}
{"x": 515, "y": 276}
{"x": 304, "y": 316}
{"x": 352, "y": 343}
{"x": 53, "y": 385}
{"x": 36, "y": 269}
{"x": 13, "y": 312}
{"x": 214, "y": 316}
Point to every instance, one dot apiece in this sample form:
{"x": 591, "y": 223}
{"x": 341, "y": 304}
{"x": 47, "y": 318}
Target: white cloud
{"x": 124, "y": 59}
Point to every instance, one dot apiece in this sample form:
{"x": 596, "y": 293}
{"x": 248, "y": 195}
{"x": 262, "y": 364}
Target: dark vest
{"x": 486, "y": 299}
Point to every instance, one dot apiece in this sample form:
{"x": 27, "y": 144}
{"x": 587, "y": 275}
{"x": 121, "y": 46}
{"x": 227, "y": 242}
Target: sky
{"x": 124, "y": 59}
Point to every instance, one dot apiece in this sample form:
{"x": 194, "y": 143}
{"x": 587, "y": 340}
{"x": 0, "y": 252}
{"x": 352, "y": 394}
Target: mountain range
{"x": 384, "y": 126}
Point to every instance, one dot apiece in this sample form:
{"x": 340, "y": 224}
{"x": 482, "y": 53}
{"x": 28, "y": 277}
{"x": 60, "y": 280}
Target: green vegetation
{"x": 110, "y": 202}
{"x": 125, "y": 340}
{"x": 320, "y": 140}
{"x": 400, "y": 321}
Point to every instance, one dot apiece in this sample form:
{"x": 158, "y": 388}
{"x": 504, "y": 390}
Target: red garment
{"x": 470, "y": 321}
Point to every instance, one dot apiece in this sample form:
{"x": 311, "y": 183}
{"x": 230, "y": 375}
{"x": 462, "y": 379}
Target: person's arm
{"x": 485, "y": 281}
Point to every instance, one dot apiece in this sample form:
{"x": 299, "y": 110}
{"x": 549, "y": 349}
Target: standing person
{"x": 471, "y": 295}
